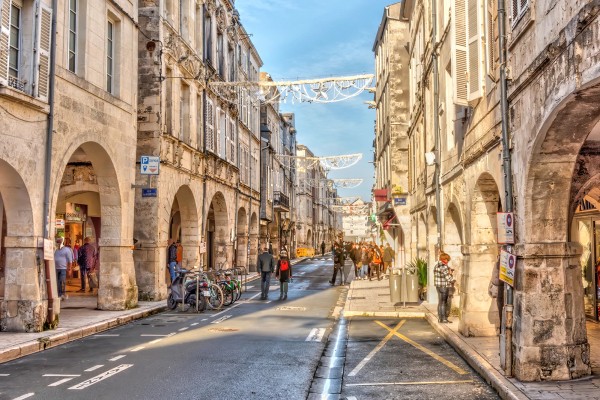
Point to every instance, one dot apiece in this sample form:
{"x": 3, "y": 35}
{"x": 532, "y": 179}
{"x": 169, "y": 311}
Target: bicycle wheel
{"x": 235, "y": 293}
{"x": 215, "y": 301}
{"x": 227, "y": 294}
{"x": 238, "y": 289}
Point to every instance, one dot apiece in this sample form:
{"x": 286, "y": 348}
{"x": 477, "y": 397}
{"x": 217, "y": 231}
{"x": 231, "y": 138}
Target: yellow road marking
{"x": 408, "y": 383}
{"x": 423, "y": 349}
{"x": 376, "y": 349}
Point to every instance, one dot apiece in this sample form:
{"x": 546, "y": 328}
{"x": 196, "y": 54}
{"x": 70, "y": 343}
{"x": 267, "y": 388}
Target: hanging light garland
{"x": 328, "y": 163}
{"x": 333, "y": 183}
{"x": 342, "y": 200}
{"x": 320, "y": 90}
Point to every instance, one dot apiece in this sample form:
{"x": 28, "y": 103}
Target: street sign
{"x": 48, "y": 247}
{"x": 149, "y": 165}
{"x": 399, "y": 201}
{"x": 148, "y": 192}
{"x": 506, "y": 228}
{"x": 508, "y": 263}
{"x": 202, "y": 247}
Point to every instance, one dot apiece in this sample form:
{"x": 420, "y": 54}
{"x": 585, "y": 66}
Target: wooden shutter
{"x": 232, "y": 146}
{"x": 210, "y": 126}
{"x": 492, "y": 38}
{"x": 4, "y": 40}
{"x": 218, "y": 131}
{"x": 459, "y": 52}
{"x": 42, "y": 57}
{"x": 476, "y": 82}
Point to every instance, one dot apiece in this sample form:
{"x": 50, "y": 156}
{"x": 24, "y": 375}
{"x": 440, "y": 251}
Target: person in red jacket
{"x": 284, "y": 273}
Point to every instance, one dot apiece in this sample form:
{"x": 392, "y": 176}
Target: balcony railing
{"x": 281, "y": 200}
{"x": 16, "y": 83}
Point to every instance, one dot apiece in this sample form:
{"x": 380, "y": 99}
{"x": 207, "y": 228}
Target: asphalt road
{"x": 252, "y": 350}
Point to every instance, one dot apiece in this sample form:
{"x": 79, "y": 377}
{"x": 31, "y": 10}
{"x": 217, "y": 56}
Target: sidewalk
{"x": 371, "y": 298}
{"x": 79, "y": 318}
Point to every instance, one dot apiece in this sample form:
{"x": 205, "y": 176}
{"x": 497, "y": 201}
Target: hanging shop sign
{"x": 506, "y": 228}
{"x": 60, "y": 223}
{"x": 149, "y": 165}
{"x": 508, "y": 263}
{"x": 381, "y": 194}
{"x": 75, "y": 212}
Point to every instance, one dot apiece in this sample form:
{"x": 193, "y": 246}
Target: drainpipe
{"x": 436, "y": 126}
{"x": 48, "y": 162}
{"x": 203, "y": 231}
{"x": 249, "y": 207}
{"x": 506, "y": 337}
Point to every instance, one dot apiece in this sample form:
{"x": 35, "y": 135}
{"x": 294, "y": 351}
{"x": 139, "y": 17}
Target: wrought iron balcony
{"x": 281, "y": 201}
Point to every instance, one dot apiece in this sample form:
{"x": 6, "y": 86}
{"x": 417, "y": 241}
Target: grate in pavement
{"x": 356, "y": 298}
{"x": 223, "y": 330}
{"x": 291, "y": 308}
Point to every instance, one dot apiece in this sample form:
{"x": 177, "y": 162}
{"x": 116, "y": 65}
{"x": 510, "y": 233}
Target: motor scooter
{"x": 186, "y": 288}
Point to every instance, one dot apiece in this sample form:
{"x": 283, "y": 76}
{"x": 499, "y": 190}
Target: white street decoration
{"x": 328, "y": 162}
{"x": 342, "y": 200}
{"x": 340, "y": 162}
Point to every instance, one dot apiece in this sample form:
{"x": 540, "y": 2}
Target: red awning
{"x": 380, "y": 194}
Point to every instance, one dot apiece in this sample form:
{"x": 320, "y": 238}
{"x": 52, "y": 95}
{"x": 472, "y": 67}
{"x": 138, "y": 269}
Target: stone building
{"x": 456, "y": 172}
{"x": 391, "y": 125}
{"x": 207, "y": 138}
{"x": 91, "y": 147}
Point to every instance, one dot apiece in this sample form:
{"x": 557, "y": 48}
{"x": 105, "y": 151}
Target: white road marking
{"x": 184, "y": 329}
{"x": 149, "y": 335}
{"x": 60, "y": 382}
{"x": 155, "y": 341}
{"x": 95, "y": 367}
{"x": 172, "y": 334}
{"x": 106, "y": 335}
{"x": 351, "y": 398}
{"x": 25, "y": 396}
{"x": 195, "y": 323}
{"x": 407, "y": 383}
{"x": 224, "y": 311}
{"x": 63, "y": 375}
{"x": 101, "y": 377}
{"x": 116, "y": 358}
{"x": 138, "y": 348}
{"x": 315, "y": 335}
{"x": 4, "y": 374}
{"x": 204, "y": 319}
{"x": 249, "y": 287}
{"x": 223, "y": 318}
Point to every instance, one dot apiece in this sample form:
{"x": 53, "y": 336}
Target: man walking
{"x": 86, "y": 261}
{"x": 443, "y": 280}
{"x": 388, "y": 258}
{"x": 266, "y": 267}
{"x": 323, "y": 248}
{"x": 172, "y": 258}
{"x": 63, "y": 257}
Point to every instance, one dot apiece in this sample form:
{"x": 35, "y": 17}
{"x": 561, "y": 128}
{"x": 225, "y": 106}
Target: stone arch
{"x": 118, "y": 289}
{"x": 479, "y": 313}
{"x": 184, "y": 224}
{"x": 241, "y": 257}
{"x": 218, "y": 233}
{"x": 18, "y": 253}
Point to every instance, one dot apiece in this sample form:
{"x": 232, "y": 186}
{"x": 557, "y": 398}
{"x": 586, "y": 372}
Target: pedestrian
{"x": 496, "y": 289}
{"x": 376, "y": 262}
{"x": 284, "y": 273}
{"x": 365, "y": 261}
{"x": 172, "y": 258}
{"x": 388, "y": 258}
{"x": 179, "y": 254}
{"x": 355, "y": 257}
{"x": 86, "y": 261}
{"x": 323, "y": 248}
{"x": 338, "y": 260}
{"x": 63, "y": 258}
{"x": 266, "y": 267}
{"x": 443, "y": 280}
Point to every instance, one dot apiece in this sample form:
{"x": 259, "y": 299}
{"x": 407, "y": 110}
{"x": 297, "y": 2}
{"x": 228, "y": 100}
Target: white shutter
{"x": 4, "y": 40}
{"x": 476, "y": 83}
{"x": 210, "y": 126}
{"x": 222, "y": 135}
{"x": 232, "y": 146}
{"x": 459, "y": 52}
{"x": 491, "y": 36}
{"x": 42, "y": 57}
{"x": 218, "y": 131}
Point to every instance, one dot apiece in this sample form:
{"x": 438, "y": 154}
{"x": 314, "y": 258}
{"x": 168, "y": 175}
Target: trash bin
{"x": 395, "y": 287}
{"x": 412, "y": 288}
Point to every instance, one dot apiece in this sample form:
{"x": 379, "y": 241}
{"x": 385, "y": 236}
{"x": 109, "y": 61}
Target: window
{"x": 220, "y": 56}
{"x": 222, "y": 134}
{"x": 15, "y": 42}
{"x": 169, "y": 102}
{"x": 72, "y": 62}
{"x": 210, "y": 123}
{"x": 184, "y": 114}
{"x": 208, "y": 43}
{"x": 110, "y": 55}
{"x": 518, "y": 9}
{"x": 231, "y": 141}
{"x": 199, "y": 129}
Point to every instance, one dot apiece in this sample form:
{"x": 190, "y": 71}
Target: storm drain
{"x": 356, "y": 298}
{"x": 223, "y": 330}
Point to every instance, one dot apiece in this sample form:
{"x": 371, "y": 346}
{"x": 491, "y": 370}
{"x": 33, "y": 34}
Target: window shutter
{"x": 459, "y": 52}
{"x": 42, "y": 66}
{"x": 210, "y": 126}
{"x": 476, "y": 83}
{"x": 4, "y": 40}
{"x": 218, "y": 131}
{"x": 232, "y": 147}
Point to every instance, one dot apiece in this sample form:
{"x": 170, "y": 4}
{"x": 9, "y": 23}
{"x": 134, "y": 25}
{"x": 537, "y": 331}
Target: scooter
{"x": 189, "y": 289}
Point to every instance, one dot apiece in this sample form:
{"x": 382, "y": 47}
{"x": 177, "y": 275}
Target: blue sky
{"x": 301, "y": 39}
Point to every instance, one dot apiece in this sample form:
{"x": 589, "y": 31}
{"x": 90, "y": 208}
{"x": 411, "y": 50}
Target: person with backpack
{"x": 172, "y": 258}
{"x": 284, "y": 273}
{"x": 86, "y": 261}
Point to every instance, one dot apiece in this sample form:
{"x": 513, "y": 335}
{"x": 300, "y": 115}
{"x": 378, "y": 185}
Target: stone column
{"x": 118, "y": 289}
{"x": 253, "y": 258}
{"x": 151, "y": 271}
{"x": 24, "y": 308}
{"x": 478, "y": 311}
{"x": 549, "y": 328}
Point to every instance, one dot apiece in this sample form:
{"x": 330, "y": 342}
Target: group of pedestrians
{"x": 67, "y": 258}
{"x": 369, "y": 260}
{"x": 266, "y": 268}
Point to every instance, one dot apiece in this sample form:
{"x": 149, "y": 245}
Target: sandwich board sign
{"x": 149, "y": 165}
